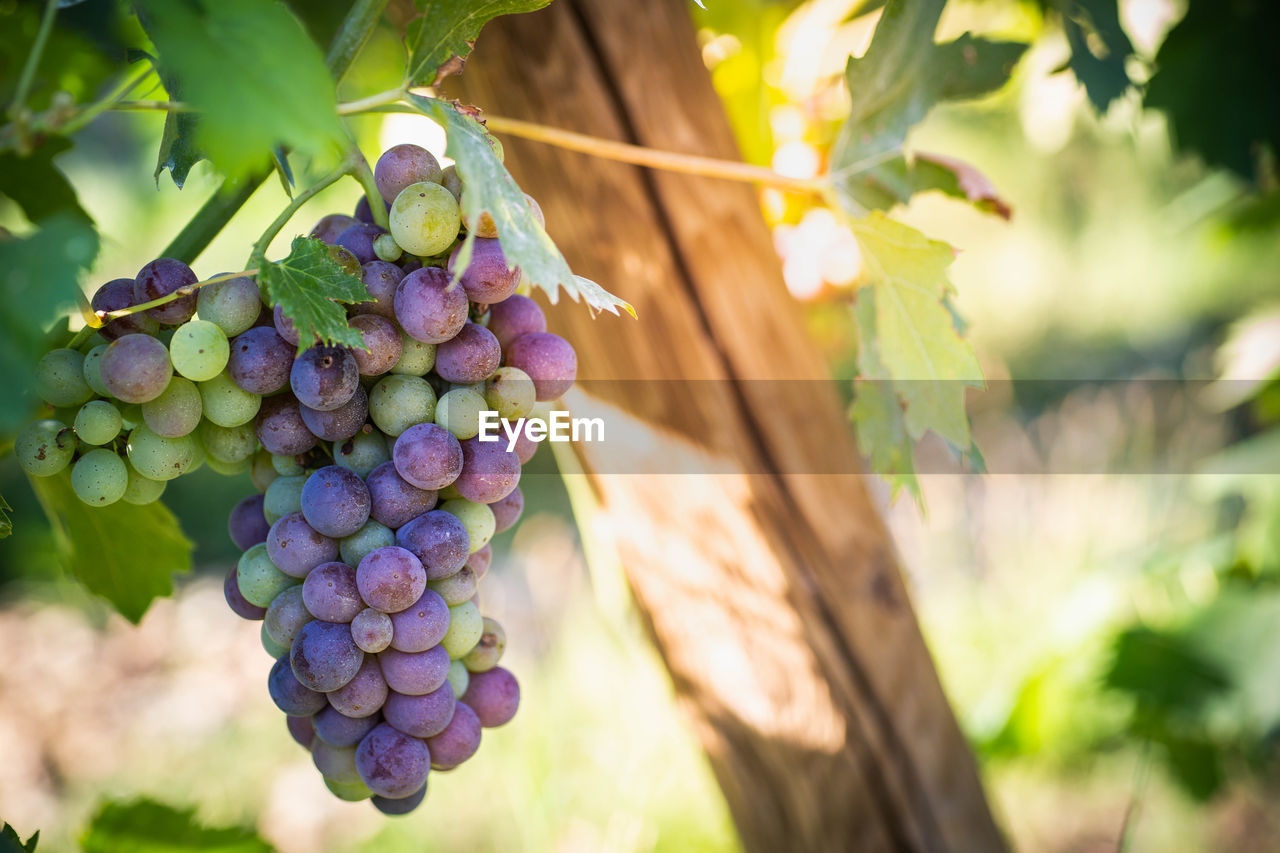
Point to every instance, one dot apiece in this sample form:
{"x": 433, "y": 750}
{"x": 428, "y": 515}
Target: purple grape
{"x": 324, "y": 378}
{"x": 427, "y": 456}
{"x": 401, "y": 805}
{"x": 328, "y": 228}
{"x": 232, "y": 305}
{"x": 341, "y": 423}
{"x": 459, "y": 740}
{"x": 494, "y": 696}
{"x": 296, "y": 547}
{"x": 480, "y": 560}
{"x": 330, "y": 593}
{"x": 363, "y": 212}
{"x": 247, "y": 524}
{"x": 160, "y": 278}
{"x": 358, "y": 240}
{"x": 507, "y": 511}
{"x": 280, "y": 426}
{"x": 415, "y": 673}
{"x": 421, "y": 716}
{"x": 487, "y": 279}
{"x": 372, "y": 630}
{"x": 335, "y": 501}
{"x": 439, "y": 540}
{"x": 402, "y": 165}
{"x": 515, "y": 316}
{"x": 284, "y": 326}
{"x": 260, "y": 361}
{"x": 239, "y": 606}
{"x": 396, "y": 501}
{"x": 391, "y": 763}
{"x": 381, "y": 280}
{"x": 302, "y": 730}
{"x": 117, "y": 294}
{"x": 289, "y": 694}
{"x": 390, "y": 579}
{"x": 324, "y": 657}
{"x": 489, "y": 471}
{"x": 337, "y": 729}
{"x": 469, "y": 357}
{"x": 421, "y": 625}
{"x": 429, "y": 307}
{"x": 409, "y": 263}
{"x": 548, "y": 359}
{"x": 286, "y": 615}
{"x": 135, "y": 368}
{"x": 382, "y": 342}
{"x": 364, "y": 694}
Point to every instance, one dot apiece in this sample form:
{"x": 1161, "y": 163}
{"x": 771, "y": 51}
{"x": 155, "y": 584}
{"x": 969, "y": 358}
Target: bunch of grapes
{"x": 369, "y": 536}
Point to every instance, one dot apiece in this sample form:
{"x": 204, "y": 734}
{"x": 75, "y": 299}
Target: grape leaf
{"x": 178, "y": 151}
{"x": 308, "y": 286}
{"x": 36, "y": 185}
{"x": 11, "y": 842}
{"x": 91, "y": 544}
{"x": 914, "y": 334}
{"x": 146, "y": 826}
{"x": 6, "y": 523}
{"x": 1094, "y": 25}
{"x": 896, "y": 181}
{"x": 251, "y": 71}
{"x": 882, "y": 434}
{"x": 491, "y": 189}
{"x": 440, "y": 38}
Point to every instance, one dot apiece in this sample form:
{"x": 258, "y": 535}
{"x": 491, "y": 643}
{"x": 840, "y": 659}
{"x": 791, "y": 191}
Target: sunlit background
{"x": 1111, "y": 642}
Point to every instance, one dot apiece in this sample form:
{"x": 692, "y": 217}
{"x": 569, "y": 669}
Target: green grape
{"x": 476, "y": 518}
{"x": 286, "y": 466}
{"x": 60, "y": 378}
{"x": 386, "y": 248}
{"x": 228, "y": 469}
{"x": 459, "y": 678}
{"x": 199, "y": 457}
{"x": 457, "y": 588}
{"x": 425, "y": 219}
{"x": 367, "y": 539}
{"x": 459, "y": 412}
{"x": 350, "y": 792}
{"x": 130, "y": 414}
{"x": 90, "y": 343}
{"x": 226, "y": 403}
{"x": 98, "y": 422}
{"x": 261, "y": 471}
{"x": 416, "y": 358}
{"x": 449, "y": 493}
{"x": 228, "y": 445}
{"x": 100, "y": 477}
{"x": 176, "y": 412}
{"x": 466, "y": 626}
{"x": 199, "y": 350}
{"x": 361, "y": 453}
{"x": 232, "y": 305}
{"x": 487, "y": 653}
{"x": 449, "y": 180}
{"x": 45, "y": 447}
{"x": 510, "y": 393}
{"x": 273, "y": 648}
{"x": 259, "y": 579}
{"x": 398, "y": 402}
{"x": 93, "y": 370}
{"x": 159, "y": 458}
{"x": 283, "y": 496}
{"x": 142, "y": 490}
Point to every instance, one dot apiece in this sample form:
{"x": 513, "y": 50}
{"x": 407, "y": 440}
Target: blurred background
{"x": 1110, "y": 641}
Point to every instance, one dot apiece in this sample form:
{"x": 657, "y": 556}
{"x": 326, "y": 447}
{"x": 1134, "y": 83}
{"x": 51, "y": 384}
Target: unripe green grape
{"x": 176, "y": 412}
{"x": 459, "y": 678}
{"x": 386, "y": 248}
{"x": 142, "y": 490}
{"x": 261, "y": 471}
{"x": 93, "y": 370}
{"x": 449, "y": 493}
{"x": 60, "y": 378}
{"x": 364, "y": 541}
{"x": 199, "y": 350}
{"x": 465, "y": 629}
{"x": 510, "y": 393}
{"x": 228, "y": 469}
{"x": 475, "y": 517}
{"x": 259, "y": 579}
{"x": 273, "y": 648}
{"x": 159, "y": 458}
{"x": 198, "y": 456}
{"x": 416, "y": 358}
{"x": 231, "y": 305}
{"x": 361, "y": 453}
{"x": 351, "y": 792}
{"x": 98, "y": 422}
{"x": 449, "y": 180}
{"x": 100, "y": 477}
{"x": 457, "y": 588}
{"x": 283, "y": 496}
{"x": 459, "y": 410}
{"x": 425, "y": 219}
{"x": 228, "y": 445}
{"x": 45, "y": 447}
{"x": 226, "y": 403}
{"x": 286, "y": 466}
{"x": 488, "y": 651}
{"x": 398, "y": 402}
{"x": 130, "y": 414}
{"x": 89, "y": 343}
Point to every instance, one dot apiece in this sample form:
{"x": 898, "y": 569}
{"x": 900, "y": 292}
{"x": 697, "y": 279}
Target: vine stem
{"x": 259, "y": 254}
{"x": 344, "y": 108}
{"x": 103, "y": 316}
{"x": 360, "y": 171}
{"x": 33, "y": 59}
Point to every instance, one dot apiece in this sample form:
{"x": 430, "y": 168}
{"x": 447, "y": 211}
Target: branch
{"x": 33, "y": 59}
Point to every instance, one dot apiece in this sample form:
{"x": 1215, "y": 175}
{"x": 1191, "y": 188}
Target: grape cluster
{"x": 364, "y": 548}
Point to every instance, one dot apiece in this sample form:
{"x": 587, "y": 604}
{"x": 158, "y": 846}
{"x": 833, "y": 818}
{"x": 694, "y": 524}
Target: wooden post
{"x": 775, "y": 599}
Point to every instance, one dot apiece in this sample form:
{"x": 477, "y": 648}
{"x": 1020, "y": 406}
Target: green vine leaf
{"x": 309, "y": 286}
{"x": 146, "y": 826}
{"x": 440, "y": 38}
{"x": 896, "y": 181}
{"x": 1099, "y": 49}
{"x": 6, "y": 523}
{"x": 129, "y": 578}
{"x": 11, "y": 842}
{"x": 254, "y": 75}
{"x": 491, "y": 189}
{"x": 37, "y": 185}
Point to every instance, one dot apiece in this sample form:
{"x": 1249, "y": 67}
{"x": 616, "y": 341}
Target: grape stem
{"x": 361, "y": 172}
{"x": 258, "y": 256}
{"x": 33, "y": 59}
